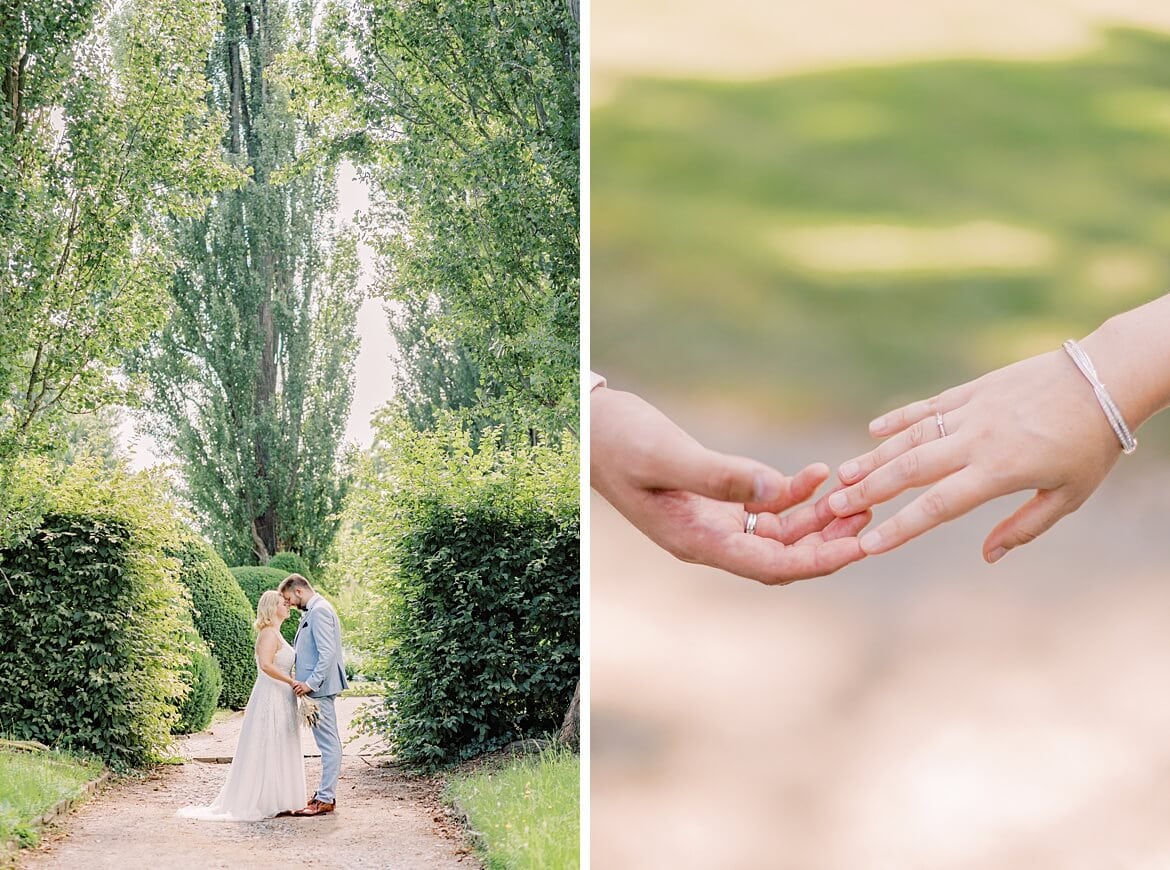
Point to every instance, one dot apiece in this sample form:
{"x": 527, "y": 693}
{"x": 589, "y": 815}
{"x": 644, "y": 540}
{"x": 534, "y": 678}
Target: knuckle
{"x": 1026, "y": 536}
{"x": 860, "y": 493}
{"x": 916, "y": 434}
{"x": 908, "y": 465}
{"x": 783, "y": 528}
{"x": 722, "y": 482}
{"x": 934, "y": 505}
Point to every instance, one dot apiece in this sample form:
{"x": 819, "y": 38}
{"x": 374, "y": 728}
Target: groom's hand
{"x": 693, "y": 502}
{"x": 302, "y": 688}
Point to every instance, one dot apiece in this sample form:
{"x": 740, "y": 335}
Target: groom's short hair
{"x": 293, "y": 581}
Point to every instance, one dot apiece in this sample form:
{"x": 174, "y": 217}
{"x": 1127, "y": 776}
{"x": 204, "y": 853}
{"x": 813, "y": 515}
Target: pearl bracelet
{"x": 1112, "y": 414}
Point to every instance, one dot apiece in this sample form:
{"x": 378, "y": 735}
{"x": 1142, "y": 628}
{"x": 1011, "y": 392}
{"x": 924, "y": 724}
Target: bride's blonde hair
{"x": 266, "y": 609}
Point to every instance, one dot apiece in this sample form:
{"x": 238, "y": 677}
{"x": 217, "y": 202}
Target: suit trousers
{"x": 329, "y": 742}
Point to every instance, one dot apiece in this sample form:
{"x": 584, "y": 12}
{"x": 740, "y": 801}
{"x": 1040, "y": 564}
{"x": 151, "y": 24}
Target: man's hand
{"x": 301, "y": 688}
{"x": 693, "y": 502}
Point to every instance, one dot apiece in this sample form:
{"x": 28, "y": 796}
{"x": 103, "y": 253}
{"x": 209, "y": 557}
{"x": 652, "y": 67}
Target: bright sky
{"x": 375, "y": 358}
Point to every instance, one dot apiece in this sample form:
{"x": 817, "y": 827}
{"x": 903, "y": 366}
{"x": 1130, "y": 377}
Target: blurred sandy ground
{"x": 918, "y": 710}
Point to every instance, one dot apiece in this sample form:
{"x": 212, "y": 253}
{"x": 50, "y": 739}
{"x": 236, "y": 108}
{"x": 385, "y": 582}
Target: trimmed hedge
{"x": 204, "y": 681}
{"x": 291, "y": 563}
{"x": 222, "y": 615}
{"x": 487, "y": 620}
{"x": 255, "y": 581}
{"x": 103, "y": 629}
{"x": 470, "y": 548}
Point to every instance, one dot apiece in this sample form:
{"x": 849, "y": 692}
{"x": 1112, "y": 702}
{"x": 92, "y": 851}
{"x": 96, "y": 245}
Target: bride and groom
{"x": 267, "y": 775}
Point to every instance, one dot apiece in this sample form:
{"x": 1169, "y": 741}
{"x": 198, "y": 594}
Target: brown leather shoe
{"x": 315, "y": 808}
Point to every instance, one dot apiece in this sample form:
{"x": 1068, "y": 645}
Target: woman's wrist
{"x": 1132, "y": 359}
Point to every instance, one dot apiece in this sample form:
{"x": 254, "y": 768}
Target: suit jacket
{"x": 318, "y": 645}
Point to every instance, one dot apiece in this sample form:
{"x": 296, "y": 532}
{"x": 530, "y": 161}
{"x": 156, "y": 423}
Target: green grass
{"x": 528, "y": 811}
{"x": 31, "y": 783}
{"x": 734, "y": 255}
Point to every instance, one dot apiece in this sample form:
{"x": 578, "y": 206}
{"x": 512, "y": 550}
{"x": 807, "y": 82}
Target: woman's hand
{"x": 1032, "y": 425}
{"x": 693, "y": 502}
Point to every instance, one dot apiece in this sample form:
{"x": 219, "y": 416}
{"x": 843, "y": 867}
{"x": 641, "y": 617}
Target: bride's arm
{"x": 266, "y": 647}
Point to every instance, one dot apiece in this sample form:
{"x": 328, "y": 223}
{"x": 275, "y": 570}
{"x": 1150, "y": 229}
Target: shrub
{"x": 487, "y": 630}
{"x": 255, "y": 581}
{"x": 204, "y": 682}
{"x": 222, "y": 615}
{"x": 25, "y": 481}
{"x": 291, "y": 563}
{"x": 101, "y": 619}
{"x": 474, "y": 624}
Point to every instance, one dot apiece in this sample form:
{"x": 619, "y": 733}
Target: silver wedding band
{"x": 749, "y": 525}
{"x": 942, "y": 430}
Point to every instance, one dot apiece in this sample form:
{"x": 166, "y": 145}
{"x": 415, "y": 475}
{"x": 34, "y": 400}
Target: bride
{"x": 267, "y": 776}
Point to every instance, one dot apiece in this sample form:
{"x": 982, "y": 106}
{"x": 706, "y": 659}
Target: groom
{"x": 321, "y": 675}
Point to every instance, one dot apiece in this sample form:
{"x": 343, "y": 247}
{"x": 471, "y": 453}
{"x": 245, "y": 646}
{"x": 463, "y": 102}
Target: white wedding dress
{"x": 267, "y": 775}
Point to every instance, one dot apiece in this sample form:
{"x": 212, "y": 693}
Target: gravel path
{"x": 385, "y": 819}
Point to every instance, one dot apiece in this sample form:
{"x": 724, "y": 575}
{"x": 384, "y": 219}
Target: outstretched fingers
{"x": 893, "y": 422}
{"x": 918, "y": 434}
{"x": 737, "y": 479}
{"x": 773, "y": 563}
{"x": 793, "y": 490}
{"x": 917, "y": 466}
{"x": 946, "y": 500}
{"x": 800, "y": 522}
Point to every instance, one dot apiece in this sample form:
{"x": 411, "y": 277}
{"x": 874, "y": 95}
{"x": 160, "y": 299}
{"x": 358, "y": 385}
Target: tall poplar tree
{"x": 253, "y": 375}
{"x": 473, "y": 111}
{"x": 434, "y": 372}
{"x": 465, "y": 115}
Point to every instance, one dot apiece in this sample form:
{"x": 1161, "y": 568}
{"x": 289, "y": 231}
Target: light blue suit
{"x": 319, "y": 663}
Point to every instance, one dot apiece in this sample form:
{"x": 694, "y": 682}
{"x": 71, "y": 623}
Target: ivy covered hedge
{"x": 255, "y": 581}
{"x": 473, "y": 623}
{"x": 222, "y": 615}
{"x": 102, "y": 623}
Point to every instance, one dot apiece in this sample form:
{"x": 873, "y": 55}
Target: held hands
{"x": 693, "y": 502}
{"x": 301, "y": 688}
{"x": 1031, "y": 425}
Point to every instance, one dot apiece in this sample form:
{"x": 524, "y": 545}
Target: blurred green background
{"x": 820, "y": 246}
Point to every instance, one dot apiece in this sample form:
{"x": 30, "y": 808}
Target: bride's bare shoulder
{"x": 267, "y": 636}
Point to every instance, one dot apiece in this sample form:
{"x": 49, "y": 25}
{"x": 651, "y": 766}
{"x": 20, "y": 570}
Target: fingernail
{"x": 996, "y": 554}
{"x": 871, "y": 541}
{"x": 849, "y": 470}
{"x": 765, "y": 488}
{"x": 838, "y": 501}
{"x": 878, "y": 426}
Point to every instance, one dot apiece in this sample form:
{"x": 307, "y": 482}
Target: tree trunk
{"x": 264, "y": 536}
{"x": 236, "y": 106}
{"x": 570, "y": 733}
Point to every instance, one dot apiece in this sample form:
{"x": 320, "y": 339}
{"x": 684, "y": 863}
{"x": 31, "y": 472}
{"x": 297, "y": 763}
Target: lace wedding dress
{"x": 267, "y": 775}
